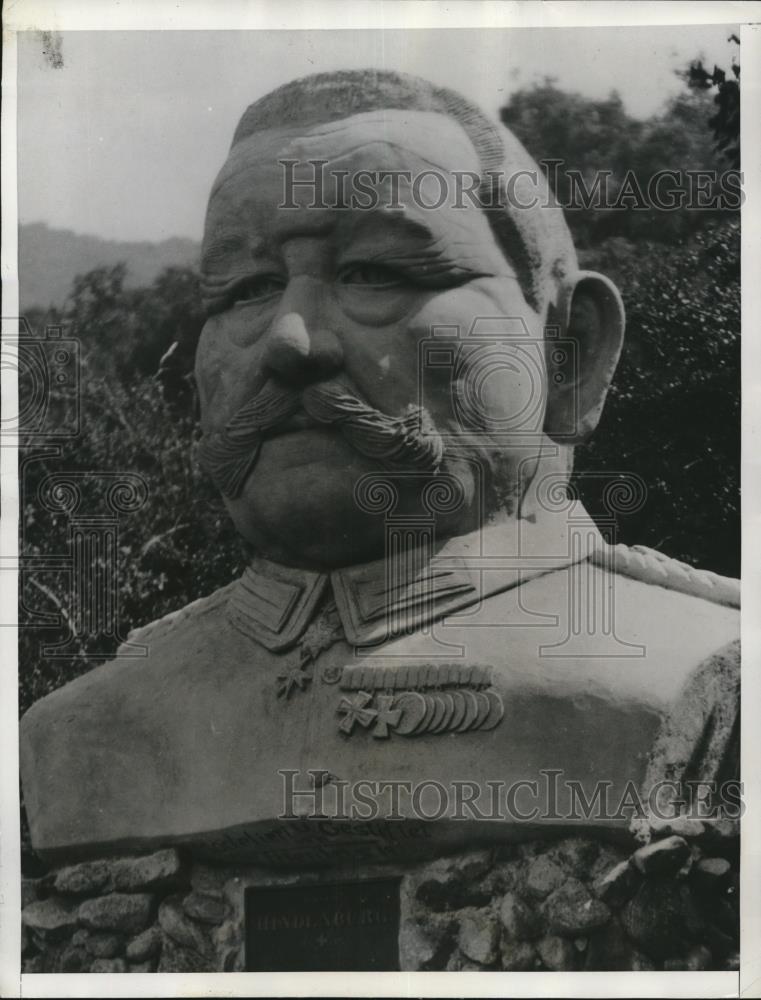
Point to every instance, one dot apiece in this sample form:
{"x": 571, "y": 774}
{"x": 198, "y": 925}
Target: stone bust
{"x": 391, "y": 393}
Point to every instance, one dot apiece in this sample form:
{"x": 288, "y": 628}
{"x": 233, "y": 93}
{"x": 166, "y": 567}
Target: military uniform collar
{"x": 380, "y": 600}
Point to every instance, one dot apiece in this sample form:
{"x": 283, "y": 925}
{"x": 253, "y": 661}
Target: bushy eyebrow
{"x": 219, "y": 247}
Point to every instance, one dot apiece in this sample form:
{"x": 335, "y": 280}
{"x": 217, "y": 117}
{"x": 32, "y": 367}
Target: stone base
{"x": 564, "y": 905}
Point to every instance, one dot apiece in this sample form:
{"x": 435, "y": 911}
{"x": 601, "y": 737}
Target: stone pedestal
{"x": 564, "y": 904}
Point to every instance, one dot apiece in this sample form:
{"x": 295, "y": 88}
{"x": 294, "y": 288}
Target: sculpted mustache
{"x": 230, "y": 455}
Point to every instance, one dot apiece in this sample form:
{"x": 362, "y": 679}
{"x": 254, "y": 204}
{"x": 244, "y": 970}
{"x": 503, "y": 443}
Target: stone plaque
{"x": 350, "y": 926}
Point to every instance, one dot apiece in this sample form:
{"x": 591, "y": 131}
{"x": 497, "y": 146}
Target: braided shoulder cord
{"x": 649, "y": 566}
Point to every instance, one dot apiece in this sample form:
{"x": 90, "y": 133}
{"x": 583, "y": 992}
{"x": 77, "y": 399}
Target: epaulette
{"x": 649, "y": 566}
{"x": 158, "y": 628}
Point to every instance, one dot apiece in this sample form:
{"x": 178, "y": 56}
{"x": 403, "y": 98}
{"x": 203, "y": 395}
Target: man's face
{"x": 314, "y": 296}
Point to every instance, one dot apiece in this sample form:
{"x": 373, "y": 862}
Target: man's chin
{"x": 297, "y": 505}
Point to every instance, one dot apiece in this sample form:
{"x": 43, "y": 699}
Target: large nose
{"x": 300, "y": 346}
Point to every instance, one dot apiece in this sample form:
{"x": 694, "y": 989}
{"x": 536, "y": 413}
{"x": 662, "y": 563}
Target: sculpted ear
{"x": 591, "y": 316}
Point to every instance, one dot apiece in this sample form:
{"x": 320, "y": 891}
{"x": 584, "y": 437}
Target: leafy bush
{"x": 673, "y": 414}
{"x": 180, "y": 545}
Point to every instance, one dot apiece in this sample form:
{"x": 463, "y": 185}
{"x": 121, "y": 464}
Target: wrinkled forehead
{"x": 533, "y": 236}
{"x": 374, "y": 140}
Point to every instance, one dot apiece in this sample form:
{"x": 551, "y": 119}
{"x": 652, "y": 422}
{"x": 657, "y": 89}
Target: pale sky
{"x": 125, "y": 139}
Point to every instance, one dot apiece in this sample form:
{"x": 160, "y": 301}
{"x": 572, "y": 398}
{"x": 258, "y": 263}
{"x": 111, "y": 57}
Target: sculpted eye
{"x": 260, "y": 287}
{"x": 372, "y": 275}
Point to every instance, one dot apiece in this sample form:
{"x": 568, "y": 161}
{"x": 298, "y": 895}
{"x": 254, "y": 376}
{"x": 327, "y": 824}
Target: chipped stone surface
{"x": 453, "y": 882}
{"x": 159, "y": 870}
{"x": 571, "y": 910}
{"x": 180, "y": 928}
{"x": 418, "y": 948}
{"x": 209, "y": 879}
{"x": 109, "y": 965}
{"x": 425, "y": 939}
{"x": 543, "y": 876}
{"x": 147, "y": 966}
{"x": 73, "y": 958}
{"x": 502, "y": 877}
{"x": 616, "y": 885}
{"x": 711, "y": 874}
{"x": 104, "y": 945}
{"x": 661, "y": 856}
{"x": 556, "y": 953}
{"x": 86, "y": 879}
{"x": 461, "y": 963}
{"x": 479, "y": 936}
{"x": 51, "y": 918}
{"x": 124, "y": 912}
{"x": 145, "y": 945}
{"x": 576, "y": 854}
{"x": 207, "y": 909}
{"x": 227, "y": 940}
{"x": 520, "y": 922}
{"x": 175, "y": 958}
{"x": 518, "y": 956}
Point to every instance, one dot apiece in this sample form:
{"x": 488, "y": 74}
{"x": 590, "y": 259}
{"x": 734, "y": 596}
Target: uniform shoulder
{"x": 650, "y": 566}
{"x": 175, "y": 619}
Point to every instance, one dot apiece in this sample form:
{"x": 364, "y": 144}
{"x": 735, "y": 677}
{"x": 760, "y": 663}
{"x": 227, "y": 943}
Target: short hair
{"x": 524, "y": 234}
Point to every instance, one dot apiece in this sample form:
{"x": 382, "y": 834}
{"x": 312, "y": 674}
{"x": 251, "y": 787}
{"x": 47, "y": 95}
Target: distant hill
{"x": 50, "y": 259}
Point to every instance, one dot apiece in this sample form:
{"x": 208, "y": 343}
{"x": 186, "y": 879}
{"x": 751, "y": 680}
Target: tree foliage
{"x": 599, "y": 138}
{"x": 726, "y": 121}
{"x": 125, "y": 331}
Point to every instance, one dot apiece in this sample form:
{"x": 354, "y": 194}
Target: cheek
{"x": 481, "y": 358}
{"x": 388, "y": 355}
{"x": 208, "y": 364}
{"x": 226, "y": 368}
{"x": 484, "y": 307}
{"x": 503, "y": 389}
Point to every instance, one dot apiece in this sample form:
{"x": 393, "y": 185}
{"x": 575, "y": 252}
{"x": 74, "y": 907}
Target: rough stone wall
{"x": 576, "y": 904}
{"x": 570, "y": 904}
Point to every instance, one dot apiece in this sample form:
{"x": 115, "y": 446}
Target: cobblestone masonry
{"x": 569, "y": 904}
